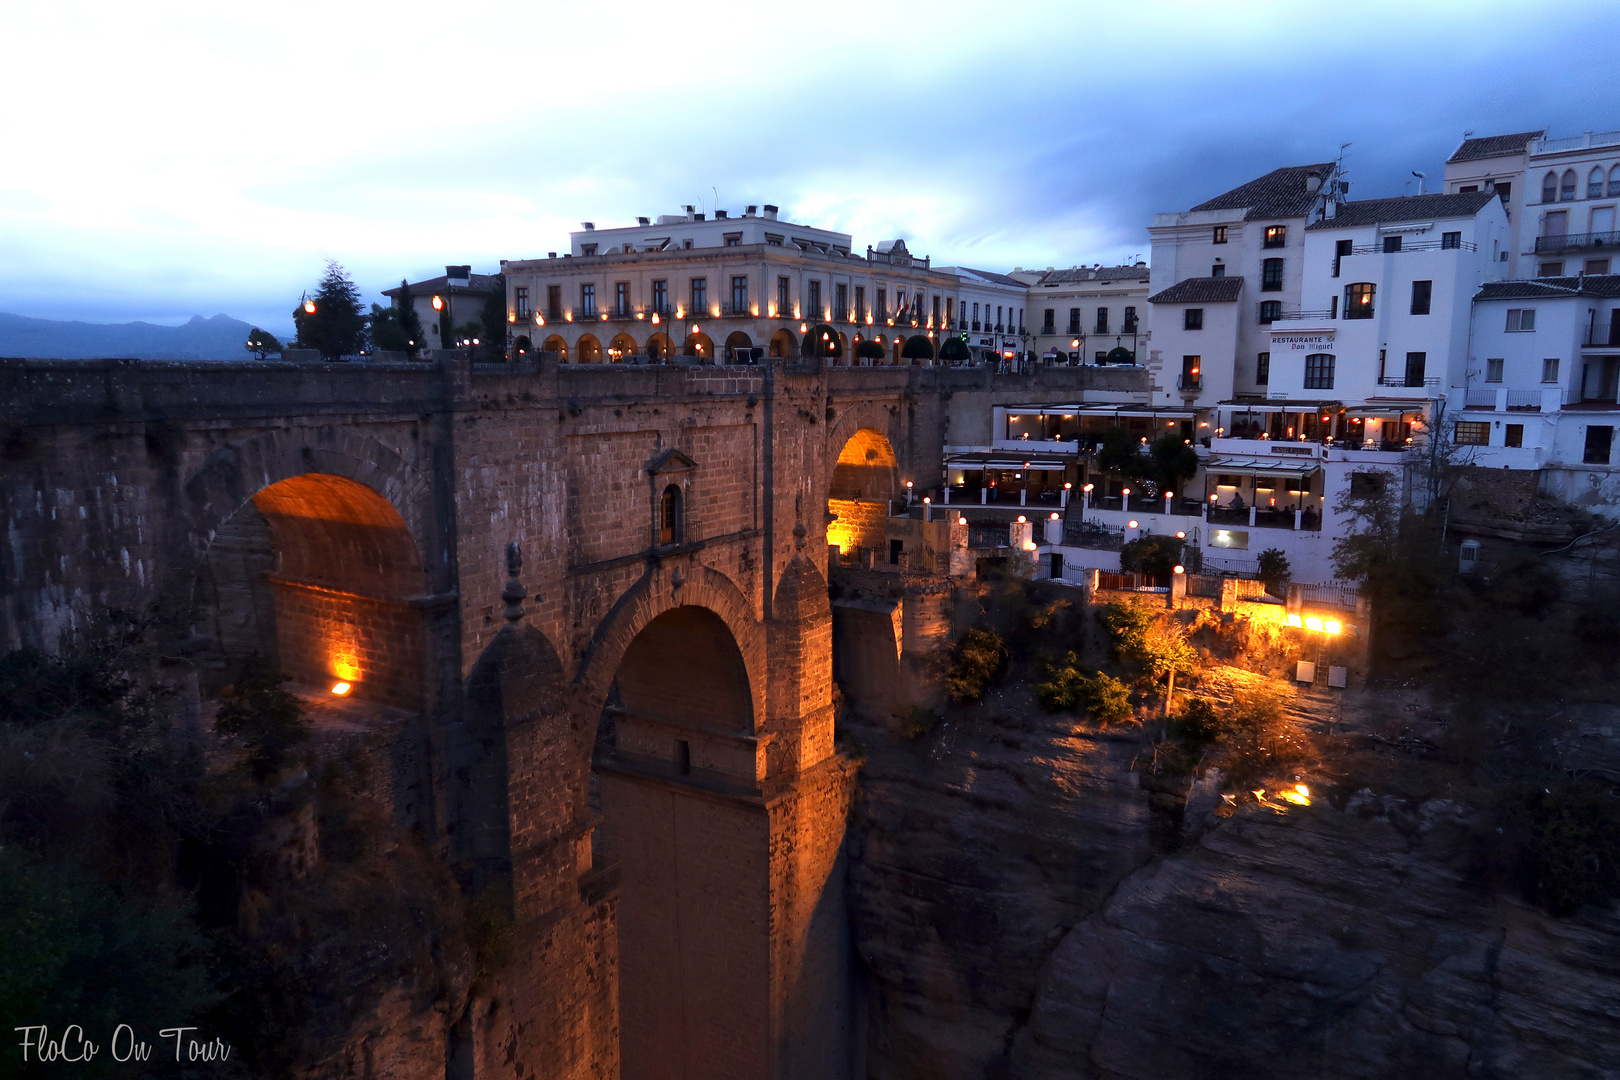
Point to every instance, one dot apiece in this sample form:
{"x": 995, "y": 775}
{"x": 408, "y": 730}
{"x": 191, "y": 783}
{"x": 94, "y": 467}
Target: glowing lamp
{"x": 927, "y": 500}
{"x": 1067, "y": 486}
{"x": 1124, "y": 491}
{"x": 961, "y": 521}
{"x": 539, "y": 319}
{"x": 656, "y": 320}
{"x": 475, "y": 341}
{"x": 697, "y": 329}
{"x": 1212, "y": 498}
{"x": 309, "y": 306}
{"x": 1313, "y": 623}
{"x": 640, "y": 315}
{"x": 604, "y": 316}
{"x": 1075, "y": 344}
{"x": 1178, "y": 569}
{"x": 1088, "y": 487}
{"x": 1332, "y": 626}
{"x": 1181, "y": 536}
{"x": 1131, "y": 524}
{"x": 1294, "y": 620}
{"x": 341, "y": 688}
{"x": 1022, "y": 519}
{"x": 511, "y": 316}
{"x": 1303, "y": 790}
{"x": 908, "y": 485}
{"x": 438, "y": 304}
{"x": 1054, "y": 515}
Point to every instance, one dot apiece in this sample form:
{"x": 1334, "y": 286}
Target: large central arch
{"x": 865, "y": 479}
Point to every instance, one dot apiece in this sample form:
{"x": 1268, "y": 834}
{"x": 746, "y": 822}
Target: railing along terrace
{"x": 1343, "y": 596}
{"x": 986, "y": 534}
{"x": 1576, "y": 241}
{"x": 1525, "y": 399}
{"x": 1084, "y": 534}
{"x": 1288, "y": 316}
{"x": 1189, "y": 382}
{"x": 1418, "y": 245}
{"x": 1411, "y": 383}
{"x": 1480, "y": 399}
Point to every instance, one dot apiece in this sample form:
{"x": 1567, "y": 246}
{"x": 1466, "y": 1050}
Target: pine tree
{"x": 337, "y": 326}
{"x": 409, "y": 320}
{"x": 493, "y": 319}
{"x": 261, "y": 343}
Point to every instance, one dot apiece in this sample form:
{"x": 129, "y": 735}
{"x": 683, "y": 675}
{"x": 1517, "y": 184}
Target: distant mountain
{"x": 219, "y": 338}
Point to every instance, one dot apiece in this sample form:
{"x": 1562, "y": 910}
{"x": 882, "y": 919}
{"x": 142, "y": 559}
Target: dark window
{"x": 1450, "y": 240}
{"x": 1467, "y": 189}
{"x": 1192, "y": 319}
{"x": 784, "y": 295}
{"x": 733, "y": 239}
{"x": 938, "y": 323}
{"x": 1358, "y": 300}
{"x": 1271, "y": 275}
{"x": 1130, "y": 320}
{"x": 1472, "y": 433}
{"x": 587, "y": 249}
{"x": 587, "y": 300}
{"x": 1262, "y": 369}
{"x": 1566, "y": 186}
{"x": 1074, "y": 320}
{"x": 1319, "y": 371}
{"x": 814, "y": 289}
{"x": 683, "y": 757}
{"x": 669, "y": 515}
{"x": 883, "y": 305}
{"x": 1549, "y": 370}
{"x": 1521, "y": 320}
{"x": 841, "y": 302}
{"x": 1513, "y": 435}
{"x": 1276, "y": 236}
{"x": 1220, "y": 234}
{"x": 1549, "y": 188}
{"x": 1270, "y": 310}
{"x": 1341, "y": 249}
{"x": 1599, "y": 439}
{"x": 950, "y": 311}
{"x": 660, "y": 297}
{"x": 1048, "y": 326}
{"x": 621, "y": 298}
{"x": 1102, "y": 320}
{"x": 700, "y": 296}
{"x": 739, "y": 294}
{"x": 860, "y": 303}
{"x": 520, "y": 297}
{"x": 1391, "y": 244}
{"x": 1421, "y": 294}
{"x": 554, "y": 301}
{"x": 1493, "y": 370}
{"x": 1550, "y": 269}
{"x": 897, "y": 548}
{"x": 1504, "y": 191}
{"x": 1415, "y": 363}
{"x": 1218, "y": 270}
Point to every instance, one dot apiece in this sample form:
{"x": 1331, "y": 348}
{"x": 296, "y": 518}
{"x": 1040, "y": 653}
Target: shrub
{"x": 1564, "y": 841}
{"x": 919, "y": 721}
{"x": 1257, "y": 736}
{"x": 976, "y": 660}
{"x": 1275, "y": 571}
{"x": 1104, "y": 697}
{"x": 266, "y": 717}
{"x": 1155, "y": 556}
{"x": 1199, "y": 724}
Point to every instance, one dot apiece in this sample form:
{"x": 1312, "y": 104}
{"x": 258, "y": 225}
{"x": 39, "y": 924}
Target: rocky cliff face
{"x": 1025, "y": 909}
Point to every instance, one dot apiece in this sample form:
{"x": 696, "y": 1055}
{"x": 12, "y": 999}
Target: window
{"x": 1101, "y": 358}
{"x": 814, "y": 289}
{"x": 520, "y": 297}
{"x": 1521, "y": 320}
{"x": 1358, "y": 300}
{"x": 587, "y": 299}
{"x": 669, "y": 515}
{"x": 773, "y": 239}
{"x": 733, "y": 239}
{"x": 1555, "y": 226}
{"x": 784, "y": 295}
{"x": 1130, "y": 320}
{"x": 1191, "y": 366}
{"x": 1549, "y": 188}
{"x": 1319, "y": 371}
{"x": 1468, "y": 189}
{"x": 1549, "y": 370}
{"x": 1236, "y": 539}
{"x": 999, "y": 323}
{"x": 1422, "y": 291}
{"x": 1599, "y": 440}
{"x": 1450, "y": 240}
{"x": 1595, "y": 266}
{"x": 1594, "y": 184}
{"x": 1392, "y": 244}
{"x": 1102, "y": 320}
{"x": 1192, "y": 318}
{"x": 1333, "y": 306}
{"x": 860, "y": 303}
{"x": 1614, "y": 181}
{"x": 883, "y": 306}
{"x": 739, "y": 294}
{"x": 587, "y": 249}
{"x": 621, "y": 297}
{"x": 1341, "y": 250}
{"x": 1493, "y": 369}
{"x": 1550, "y": 269}
{"x": 1074, "y": 320}
{"x": 700, "y": 295}
{"x": 1472, "y": 433}
{"x": 1504, "y": 191}
{"x": 950, "y": 311}
{"x": 938, "y": 323}
{"x": 660, "y": 297}
{"x": 554, "y": 301}
{"x": 1262, "y": 369}
{"x": 1566, "y": 186}
{"x": 841, "y": 303}
{"x": 1514, "y": 435}
{"x": 1271, "y": 275}
{"x": 1048, "y": 326}
{"x": 1415, "y": 363}
{"x": 1276, "y": 236}
{"x": 1218, "y": 270}
{"x": 1220, "y": 234}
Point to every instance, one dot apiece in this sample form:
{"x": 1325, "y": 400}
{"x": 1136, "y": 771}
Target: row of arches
{"x": 1565, "y": 187}
{"x": 822, "y": 341}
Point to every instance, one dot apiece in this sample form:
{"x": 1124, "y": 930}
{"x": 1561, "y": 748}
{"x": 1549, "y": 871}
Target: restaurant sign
{"x": 1307, "y": 341}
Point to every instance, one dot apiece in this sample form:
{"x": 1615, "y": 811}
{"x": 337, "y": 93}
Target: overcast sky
{"x": 167, "y": 159}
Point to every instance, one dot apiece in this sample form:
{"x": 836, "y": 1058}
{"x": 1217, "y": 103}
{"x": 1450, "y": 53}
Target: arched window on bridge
{"x": 669, "y": 516}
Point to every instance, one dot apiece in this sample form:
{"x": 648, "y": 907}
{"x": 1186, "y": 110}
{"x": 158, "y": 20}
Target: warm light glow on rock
{"x": 342, "y": 688}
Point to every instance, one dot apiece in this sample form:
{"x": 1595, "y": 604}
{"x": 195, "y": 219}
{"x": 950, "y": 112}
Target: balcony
{"x": 1192, "y": 384}
{"x": 1048, "y": 330}
{"x": 1288, "y": 316}
{"x": 1591, "y": 241}
{"x": 1416, "y": 245}
{"x": 1409, "y": 382}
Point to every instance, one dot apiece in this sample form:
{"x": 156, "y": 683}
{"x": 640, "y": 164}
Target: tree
{"x": 262, "y": 344}
{"x": 1158, "y": 644}
{"x": 267, "y": 718}
{"x": 1173, "y": 461}
{"x": 387, "y": 332}
{"x": 337, "y": 326}
{"x": 1274, "y": 570}
{"x": 1122, "y": 454}
{"x": 1369, "y": 549}
{"x": 493, "y": 326}
{"x": 409, "y": 320}
{"x": 1155, "y": 556}
{"x": 917, "y": 347}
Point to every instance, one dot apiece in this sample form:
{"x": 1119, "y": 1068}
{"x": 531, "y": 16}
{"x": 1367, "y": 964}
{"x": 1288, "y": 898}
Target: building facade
{"x": 991, "y": 310}
{"x": 1091, "y": 315}
{"x": 444, "y": 304}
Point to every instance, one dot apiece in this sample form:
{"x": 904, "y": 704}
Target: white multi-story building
{"x": 1541, "y": 386}
{"x": 445, "y": 304}
{"x": 730, "y": 289}
{"x": 1090, "y": 314}
{"x": 1561, "y": 195}
{"x": 992, "y": 313}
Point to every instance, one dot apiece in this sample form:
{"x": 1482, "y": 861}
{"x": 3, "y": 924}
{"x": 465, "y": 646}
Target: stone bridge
{"x": 601, "y": 593}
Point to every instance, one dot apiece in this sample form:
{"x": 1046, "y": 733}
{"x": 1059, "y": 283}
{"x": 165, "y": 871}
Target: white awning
{"x": 1261, "y": 465}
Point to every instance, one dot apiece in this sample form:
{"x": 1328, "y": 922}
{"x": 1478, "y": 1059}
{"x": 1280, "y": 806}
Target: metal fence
{"x": 1343, "y": 596}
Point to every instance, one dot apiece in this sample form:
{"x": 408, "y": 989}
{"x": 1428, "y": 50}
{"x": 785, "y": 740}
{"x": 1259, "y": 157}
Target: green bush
{"x": 1155, "y": 556}
{"x": 1564, "y": 841}
{"x": 1199, "y": 724}
{"x": 977, "y": 659}
{"x": 1256, "y": 734}
{"x": 918, "y": 722}
{"x": 267, "y": 718}
{"x": 1104, "y": 697}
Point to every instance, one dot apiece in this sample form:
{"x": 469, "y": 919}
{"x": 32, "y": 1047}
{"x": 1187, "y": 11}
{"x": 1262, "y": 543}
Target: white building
{"x": 1541, "y": 388}
{"x": 445, "y": 304}
{"x": 1090, "y": 314}
{"x": 1561, "y": 195}
{"x": 992, "y": 313}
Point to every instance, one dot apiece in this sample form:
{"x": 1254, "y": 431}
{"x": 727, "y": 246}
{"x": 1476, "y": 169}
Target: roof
{"x": 1200, "y": 290}
{"x": 1594, "y": 285}
{"x": 1280, "y": 193}
{"x": 476, "y": 283}
{"x": 999, "y": 279}
{"x": 1095, "y": 273}
{"x": 1406, "y": 208}
{"x": 1493, "y": 146}
{"x": 1299, "y": 466}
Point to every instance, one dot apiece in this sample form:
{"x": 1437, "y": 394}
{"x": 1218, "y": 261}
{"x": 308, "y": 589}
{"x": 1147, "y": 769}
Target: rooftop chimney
{"x": 718, "y": 214}
{"x": 770, "y": 212}
{"x": 642, "y": 221}
{"x": 458, "y": 273}
{"x": 590, "y": 226}
{"x": 551, "y": 254}
{"x": 751, "y": 211}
